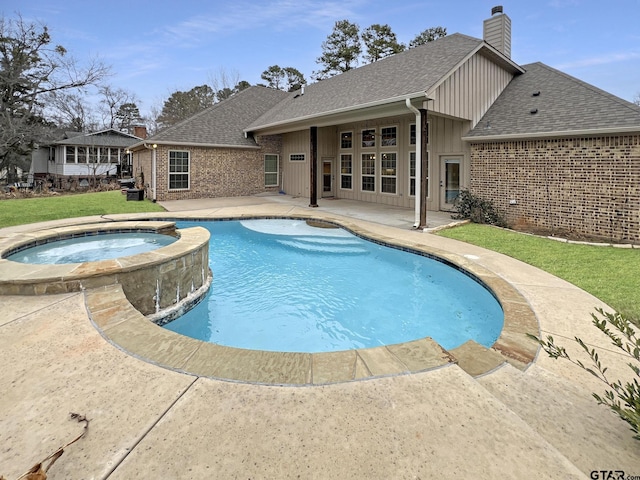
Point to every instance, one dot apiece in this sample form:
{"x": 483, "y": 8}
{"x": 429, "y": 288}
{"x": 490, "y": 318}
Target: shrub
{"x": 471, "y": 207}
{"x": 624, "y": 400}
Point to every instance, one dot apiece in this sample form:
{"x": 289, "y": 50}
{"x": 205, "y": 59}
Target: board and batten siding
{"x": 470, "y": 90}
{"x": 295, "y": 175}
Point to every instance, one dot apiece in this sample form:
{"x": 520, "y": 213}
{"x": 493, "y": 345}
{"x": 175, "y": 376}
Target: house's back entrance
{"x": 449, "y": 181}
{"x": 327, "y": 177}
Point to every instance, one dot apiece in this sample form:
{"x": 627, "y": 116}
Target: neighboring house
{"x": 83, "y": 157}
{"x": 415, "y": 128}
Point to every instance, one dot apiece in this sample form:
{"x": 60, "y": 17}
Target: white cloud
{"x": 600, "y": 60}
{"x": 247, "y": 15}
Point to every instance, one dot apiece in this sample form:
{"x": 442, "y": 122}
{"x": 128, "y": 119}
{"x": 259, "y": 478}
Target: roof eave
{"x": 554, "y": 134}
{"x": 338, "y": 111}
{"x": 141, "y": 145}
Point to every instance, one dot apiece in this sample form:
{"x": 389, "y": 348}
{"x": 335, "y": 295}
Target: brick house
{"x": 415, "y": 128}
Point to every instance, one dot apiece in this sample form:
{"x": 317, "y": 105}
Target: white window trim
{"x": 346, "y": 174}
{"x": 409, "y": 171}
{"x": 75, "y": 154}
{"x": 175, "y": 173}
{"x": 395, "y": 145}
{"x": 277, "y": 172}
{"x": 375, "y": 137}
{"x": 340, "y": 140}
{"x": 375, "y": 173}
{"x": 382, "y": 175}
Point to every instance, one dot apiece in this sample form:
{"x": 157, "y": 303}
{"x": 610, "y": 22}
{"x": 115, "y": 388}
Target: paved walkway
{"x": 149, "y": 422}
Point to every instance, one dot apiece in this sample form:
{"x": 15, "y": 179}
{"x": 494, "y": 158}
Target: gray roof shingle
{"x": 564, "y": 104}
{"x": 104, "y": 138}
{"x": 408, "y": 73}
{"x": 223, "y": 123}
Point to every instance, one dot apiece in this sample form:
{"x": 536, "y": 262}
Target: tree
{"x": 295, "y": 79}
{"x": 127, "y": 116}
{"x": 288, "y": 78}
{"x": 428, "y": 35}
{"x": 70, "y": 111}
{"x": 340, "y": 51}
{"x": 636, "y": 100}
{"x": 181, "y": 105}
{"x": 223, "y": 94}
{"x": 242, "y": 85}
{"x": 227, "y": 92}
{"x": 274, "y": 76}
{"x": 30, "y": 68}
{"x": 380, "y": 42}
{"x": 111, "y": 103}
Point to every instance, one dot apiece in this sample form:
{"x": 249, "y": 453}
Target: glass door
{"x": 327, "y": 177}
{"x": 449, "y": 182}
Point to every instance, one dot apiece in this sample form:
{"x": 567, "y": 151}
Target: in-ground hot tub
{"x": 157, "y": 282}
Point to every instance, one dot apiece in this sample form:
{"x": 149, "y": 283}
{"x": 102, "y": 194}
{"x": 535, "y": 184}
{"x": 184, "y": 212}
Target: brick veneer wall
{"x": 218, "y": 172}
{"x": 588, "y": 186}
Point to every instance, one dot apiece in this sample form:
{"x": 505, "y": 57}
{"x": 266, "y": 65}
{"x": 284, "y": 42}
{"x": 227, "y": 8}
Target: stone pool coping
{"x": 122, "y": 325}
{"x": 183, "y": 263}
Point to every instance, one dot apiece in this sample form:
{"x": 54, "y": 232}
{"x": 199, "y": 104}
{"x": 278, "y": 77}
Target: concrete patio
{"x": 151, "y": 422}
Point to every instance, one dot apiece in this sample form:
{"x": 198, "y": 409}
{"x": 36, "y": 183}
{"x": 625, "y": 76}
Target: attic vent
{"x": 496, "y": 9}
{"x": 533, "y": 111}
{"x": 536, "y": 93}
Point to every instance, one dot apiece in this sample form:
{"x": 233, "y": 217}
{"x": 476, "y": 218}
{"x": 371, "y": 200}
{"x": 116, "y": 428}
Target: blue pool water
{"x": 282, "y": 285}
{"x": 92, "y": 248}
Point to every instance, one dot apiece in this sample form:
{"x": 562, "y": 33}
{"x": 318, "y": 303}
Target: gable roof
{"x": 409, "y": 74}
{"x": 222, "y": 124}
{"x": 563, "y": 106}
{"x": 109, "y": 137}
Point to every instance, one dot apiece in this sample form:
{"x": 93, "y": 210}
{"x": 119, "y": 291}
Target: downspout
{"x": 418, "y": 201}
{"x": 153, "y": 172}
{"x": 153, "y": 169}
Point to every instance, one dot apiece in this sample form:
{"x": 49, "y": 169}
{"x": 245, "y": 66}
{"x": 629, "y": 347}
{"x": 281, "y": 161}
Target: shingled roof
{"x": 104, "y": 138}
{"x": 545, "y": 102}
{"x": 222, "y": 124}
{"x": 394, "y": 78}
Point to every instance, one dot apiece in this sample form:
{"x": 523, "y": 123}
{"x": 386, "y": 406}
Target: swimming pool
{"x": 92, "y": 248}
{"x": 282, "y": 285}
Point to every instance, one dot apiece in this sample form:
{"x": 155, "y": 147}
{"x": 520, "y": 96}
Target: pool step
{"x": 324, "y": 245}
{"x": 476, "y": 359}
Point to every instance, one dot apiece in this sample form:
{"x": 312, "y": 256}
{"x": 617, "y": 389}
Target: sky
{"x": 157, "y": 47}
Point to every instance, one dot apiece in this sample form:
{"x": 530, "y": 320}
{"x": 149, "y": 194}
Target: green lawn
{"x": 611, "y": 274}
{"x": 40, "y": 209}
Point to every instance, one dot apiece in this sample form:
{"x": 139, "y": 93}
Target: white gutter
{"x": 554, "y": 134}
{"x": 336, "y": 111}
{"x": 194, "y": 144}
{"x": 416, "y": 223}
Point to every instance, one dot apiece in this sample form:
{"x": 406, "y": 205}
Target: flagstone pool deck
{"x": 147, "y": 421}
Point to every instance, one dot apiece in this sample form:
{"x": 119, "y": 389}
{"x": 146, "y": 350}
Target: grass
{"x": 610, "y": 274}
{"x": 20, "y": 211}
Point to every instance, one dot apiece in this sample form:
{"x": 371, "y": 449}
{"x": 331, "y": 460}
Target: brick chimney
{"x": 140, "y": 131}
{"x": 497, "y": 31}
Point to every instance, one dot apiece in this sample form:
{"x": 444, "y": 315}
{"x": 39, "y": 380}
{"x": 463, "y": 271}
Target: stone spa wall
{"x": 155, "y": 282}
